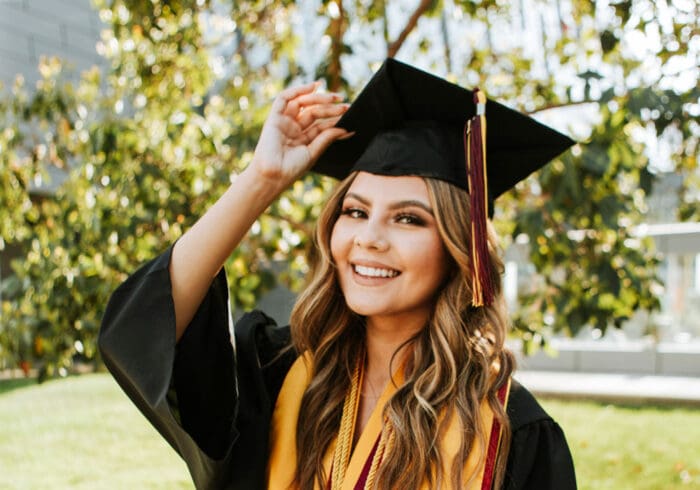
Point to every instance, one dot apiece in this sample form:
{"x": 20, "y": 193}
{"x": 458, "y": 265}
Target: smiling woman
{"x": 393, "y": 372}
{"x": 389, "y": 256}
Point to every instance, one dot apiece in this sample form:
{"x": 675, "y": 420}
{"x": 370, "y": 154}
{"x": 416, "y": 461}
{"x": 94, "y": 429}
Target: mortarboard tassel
{"x": 475, "y": 155}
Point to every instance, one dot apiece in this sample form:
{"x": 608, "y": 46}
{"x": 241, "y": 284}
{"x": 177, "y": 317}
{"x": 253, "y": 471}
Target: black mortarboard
{"x": 409, "y": 122}
{"x": 399, "y": 95}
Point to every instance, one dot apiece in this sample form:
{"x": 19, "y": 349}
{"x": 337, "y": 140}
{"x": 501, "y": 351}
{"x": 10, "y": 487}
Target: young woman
{"x": 393, "y": 373}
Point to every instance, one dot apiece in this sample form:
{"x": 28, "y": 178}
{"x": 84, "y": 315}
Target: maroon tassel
{"x": 475, "y": 155}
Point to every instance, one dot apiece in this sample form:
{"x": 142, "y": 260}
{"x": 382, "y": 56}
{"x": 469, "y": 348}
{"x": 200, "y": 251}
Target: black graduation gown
{"x": 212, "y": 401}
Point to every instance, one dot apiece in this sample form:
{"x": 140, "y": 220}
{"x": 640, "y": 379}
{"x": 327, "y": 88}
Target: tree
{"x": 146, "y": 147}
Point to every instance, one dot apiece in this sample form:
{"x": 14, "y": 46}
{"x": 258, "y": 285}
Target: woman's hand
{"x": 298, "y": 129}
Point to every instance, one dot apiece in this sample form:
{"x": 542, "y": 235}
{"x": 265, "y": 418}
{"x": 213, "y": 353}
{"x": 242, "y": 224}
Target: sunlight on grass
{"x": 82, "y": 432}
{"x": 631, "y": 448}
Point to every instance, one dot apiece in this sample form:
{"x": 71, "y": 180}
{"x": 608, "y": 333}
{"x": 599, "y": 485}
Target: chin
{"x": 365, "y": 306}
{"x": 363, "y": 309}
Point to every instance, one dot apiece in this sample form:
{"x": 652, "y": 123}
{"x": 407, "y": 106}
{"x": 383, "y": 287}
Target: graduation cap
{"x": 409, "y": 122}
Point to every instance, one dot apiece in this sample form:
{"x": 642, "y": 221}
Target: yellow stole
{"x": 283, "y": 454}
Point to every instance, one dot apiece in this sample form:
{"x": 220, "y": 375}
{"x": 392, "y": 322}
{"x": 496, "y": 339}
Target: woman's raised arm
{"x": 298, "y": 129}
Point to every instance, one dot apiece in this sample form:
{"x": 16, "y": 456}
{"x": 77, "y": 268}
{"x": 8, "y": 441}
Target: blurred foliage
{"x": 133, "y": 154}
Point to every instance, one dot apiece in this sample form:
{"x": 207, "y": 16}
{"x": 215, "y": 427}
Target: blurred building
{"x": 665, "y": 342}
{"x": 30, "y": 29}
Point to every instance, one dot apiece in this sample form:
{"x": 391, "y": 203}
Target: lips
{"x": 374, "y": 272}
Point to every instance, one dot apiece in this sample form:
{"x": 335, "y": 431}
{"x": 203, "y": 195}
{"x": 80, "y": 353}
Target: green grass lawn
{"x": 82, "y": 432}
{"x": 631, "y": 447}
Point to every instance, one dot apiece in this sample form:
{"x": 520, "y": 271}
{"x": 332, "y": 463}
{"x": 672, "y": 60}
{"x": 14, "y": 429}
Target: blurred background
{"x": 122, "y": 121}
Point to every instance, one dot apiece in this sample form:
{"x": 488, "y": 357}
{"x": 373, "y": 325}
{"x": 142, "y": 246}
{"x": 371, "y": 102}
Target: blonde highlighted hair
{"x": 450, "y": 371}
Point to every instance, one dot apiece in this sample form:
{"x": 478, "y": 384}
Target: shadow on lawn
{"x": 633, "y": 406}
{"x": 7, "y": 385}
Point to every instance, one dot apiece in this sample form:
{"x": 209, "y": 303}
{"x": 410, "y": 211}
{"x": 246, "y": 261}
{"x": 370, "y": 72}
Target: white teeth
{"x": 374, "y": 272}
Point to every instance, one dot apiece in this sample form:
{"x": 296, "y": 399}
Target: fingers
{"x": 300, "y": 114}
{"x": 307, "y": 136}
{"x": 304, "y": 101}
{"x": 296, "y": 134}
{"x": 300, "y": 119}
{"x": 293, "y": 99}
{"x": 324, "y": 139}
{"x": 279, "y": 105}
{"x": 290, "y": 129}
{"x": 318, "y": 112}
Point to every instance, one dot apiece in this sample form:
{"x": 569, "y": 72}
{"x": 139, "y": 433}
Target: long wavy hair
{"x": 456, "y": 361}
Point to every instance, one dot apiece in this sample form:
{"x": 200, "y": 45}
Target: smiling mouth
{"x": 374, "y": 271}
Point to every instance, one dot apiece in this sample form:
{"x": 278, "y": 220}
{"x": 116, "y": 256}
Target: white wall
{"x": 29, "y": 29}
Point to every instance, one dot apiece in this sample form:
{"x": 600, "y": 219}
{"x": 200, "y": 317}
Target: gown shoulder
{"x": 539, "y": 456}
{"x": 211, "y": 394}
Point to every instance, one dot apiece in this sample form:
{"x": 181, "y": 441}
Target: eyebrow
{"x": 394, "y": 205}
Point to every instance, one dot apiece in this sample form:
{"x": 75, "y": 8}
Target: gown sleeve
{"x": 539, "y": 457}
{"x": 209, "y": 396}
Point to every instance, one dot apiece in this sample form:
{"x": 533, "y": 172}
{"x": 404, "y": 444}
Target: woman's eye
{"x": 353, "y": 213}
{"x": 409, "y": 219}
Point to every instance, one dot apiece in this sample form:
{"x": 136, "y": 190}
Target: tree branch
{"x": 394, "y": 46}
{"x": 446, "y": 41}
{"x": 336, "y": 29}
{"x": 564, "y": 104}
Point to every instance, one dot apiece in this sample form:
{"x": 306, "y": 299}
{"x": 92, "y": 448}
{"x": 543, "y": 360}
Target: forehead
{"x": 389, "y": 188}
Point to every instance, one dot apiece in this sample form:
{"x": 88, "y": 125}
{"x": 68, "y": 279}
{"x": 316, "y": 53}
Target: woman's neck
{"x": 386, "y": 342}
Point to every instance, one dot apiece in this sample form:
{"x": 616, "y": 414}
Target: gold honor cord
{"x": 346, "y": 473}
{"x": 343, "y": 449}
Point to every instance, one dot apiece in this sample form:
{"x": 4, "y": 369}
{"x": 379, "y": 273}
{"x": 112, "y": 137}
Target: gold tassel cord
{"x": 475, "y": 156}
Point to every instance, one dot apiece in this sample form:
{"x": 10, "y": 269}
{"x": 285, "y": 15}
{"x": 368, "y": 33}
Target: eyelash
{"x": 410, "y": 219}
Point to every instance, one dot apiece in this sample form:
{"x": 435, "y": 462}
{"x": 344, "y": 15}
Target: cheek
{"x": 435, "y": 261}
{"x": 338, "y": 242}
{"x": 445, "y": 266}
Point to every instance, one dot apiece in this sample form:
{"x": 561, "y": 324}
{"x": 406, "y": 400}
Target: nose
{"x": 371, "y": 236}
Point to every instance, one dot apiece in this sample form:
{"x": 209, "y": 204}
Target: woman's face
{"x": 390, "y": 258}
